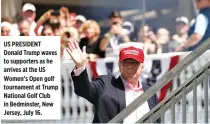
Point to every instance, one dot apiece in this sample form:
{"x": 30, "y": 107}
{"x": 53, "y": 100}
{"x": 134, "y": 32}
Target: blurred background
{"x": 133, "y": 11}
{"x": 104, "y": 26}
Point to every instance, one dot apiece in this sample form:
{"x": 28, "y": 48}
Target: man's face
{"x": 24, "y": 27}
{"x": 29, "y": 15}
{"x": 130, "y": 69}
{"x": 78, "y": 24}
{"x": 182, "y": 28}
{"x": 202, "y": 3}
{"x": 114, "y": 21}
{"x": 5, "y": 31}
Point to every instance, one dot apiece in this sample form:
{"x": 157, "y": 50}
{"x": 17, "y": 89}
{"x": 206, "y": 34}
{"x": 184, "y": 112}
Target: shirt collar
{"x": 129, "y": 86}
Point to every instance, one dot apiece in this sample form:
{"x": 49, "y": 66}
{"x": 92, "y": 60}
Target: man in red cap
{"x": 108, "y": 94}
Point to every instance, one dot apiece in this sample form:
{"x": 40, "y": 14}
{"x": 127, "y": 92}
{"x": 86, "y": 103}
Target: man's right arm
{"x": 84, "y": 88}
{"x": 200, "y": 29}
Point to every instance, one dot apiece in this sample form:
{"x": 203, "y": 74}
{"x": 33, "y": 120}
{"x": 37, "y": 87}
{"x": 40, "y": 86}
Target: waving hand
{"x": 77, "y": 55}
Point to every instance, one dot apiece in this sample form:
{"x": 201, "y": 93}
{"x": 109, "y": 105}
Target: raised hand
{"x": 78, "y": 56}
{"x": 116, "y": 29}
{"x": 46, "y": 16}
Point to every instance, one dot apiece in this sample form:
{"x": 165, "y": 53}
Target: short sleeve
{"x": 201, "y": 24}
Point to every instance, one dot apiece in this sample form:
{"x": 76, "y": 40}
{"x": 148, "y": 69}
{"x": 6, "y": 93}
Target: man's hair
{"x": 115, "y": 14}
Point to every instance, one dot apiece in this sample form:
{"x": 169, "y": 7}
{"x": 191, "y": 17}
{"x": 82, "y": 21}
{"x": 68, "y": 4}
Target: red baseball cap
{"x": 132, "y": 53}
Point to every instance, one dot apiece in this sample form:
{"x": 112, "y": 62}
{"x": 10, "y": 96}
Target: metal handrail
{"x": 161, "y": 82}
{"x": 187, "y": 86}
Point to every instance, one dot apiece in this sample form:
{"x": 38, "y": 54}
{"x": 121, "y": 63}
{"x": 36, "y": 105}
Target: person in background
{"x": 5, "y": 28}
{"x": 182, "y": 28}
{"x": 42, "y": 20}
{"x": 24, "y": 28}
{"x": 47, "y": 31}
{"x": 29, "y": 14}
{"x": 68, "y": 34}
{"x": 71, "y": 22}
{"x": 129, "y": 29}
{"x": 92, "y": 40}
{"x": 148, "y": 38}
{"x": 116, "y": 35}
{"x": 108, "y": 94}
{"x": 64, "y": 17}
{"x": 163, "y": 38}
{"x": 53, "y": 18}
{"x": 56, "y": 26}
{"x": 80, "y": 20}
{"x": 200, "y": 30}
